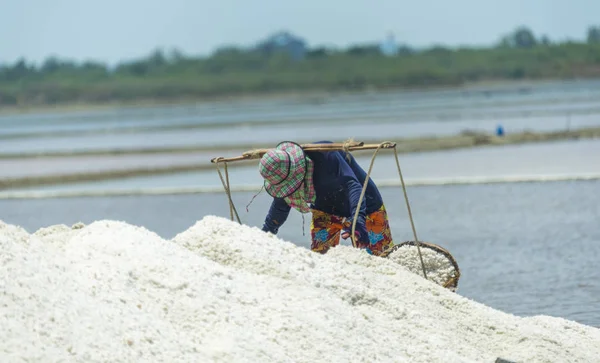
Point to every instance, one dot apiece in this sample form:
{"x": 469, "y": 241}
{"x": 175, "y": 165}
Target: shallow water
{"x": 545, "y": 107}
{"x": 528, "y": 248}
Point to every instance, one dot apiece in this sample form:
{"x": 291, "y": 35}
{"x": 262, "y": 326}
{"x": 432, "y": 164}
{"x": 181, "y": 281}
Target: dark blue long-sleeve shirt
{"x": 338, "y": 184}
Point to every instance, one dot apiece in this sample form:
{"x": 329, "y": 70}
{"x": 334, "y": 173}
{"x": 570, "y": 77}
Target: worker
{"x": 327, "y": 184}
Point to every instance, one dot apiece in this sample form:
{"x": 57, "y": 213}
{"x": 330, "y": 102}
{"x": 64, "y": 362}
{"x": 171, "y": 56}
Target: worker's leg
{"x": 380, "y": 235}
{"x": 325, "y": 231}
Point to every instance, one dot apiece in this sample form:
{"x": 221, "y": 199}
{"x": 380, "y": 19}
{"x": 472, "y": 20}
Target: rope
{"x": 228, "y": 192}
{"x": 254, "y": 197}
{"x": 362, "y": 195}
{"x": 412, "y": 223}
{"x": 229, "y": 188}
{"x": 255, "y": 154}
{"x": 346, "y": 148}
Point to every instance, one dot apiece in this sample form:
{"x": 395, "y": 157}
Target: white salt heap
{"x": 221, "y": 292}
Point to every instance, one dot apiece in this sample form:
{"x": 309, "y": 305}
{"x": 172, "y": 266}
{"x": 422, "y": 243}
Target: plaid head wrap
{"x": 288, "y": 172}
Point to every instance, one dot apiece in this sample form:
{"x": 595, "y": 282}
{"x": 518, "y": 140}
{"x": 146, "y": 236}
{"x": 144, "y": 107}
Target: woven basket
{"x": 451, "y": 283}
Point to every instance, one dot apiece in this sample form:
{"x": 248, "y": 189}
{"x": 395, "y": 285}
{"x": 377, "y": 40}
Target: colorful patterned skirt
{"x": 326, "y": 230}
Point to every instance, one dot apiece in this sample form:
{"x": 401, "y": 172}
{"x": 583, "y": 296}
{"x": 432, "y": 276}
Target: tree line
{"x": 169, "y": 76}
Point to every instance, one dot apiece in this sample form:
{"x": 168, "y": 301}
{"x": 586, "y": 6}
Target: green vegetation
{"x": 235, "y": 71}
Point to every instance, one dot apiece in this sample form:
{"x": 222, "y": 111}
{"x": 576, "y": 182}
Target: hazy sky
{"x": 113, "y": 30}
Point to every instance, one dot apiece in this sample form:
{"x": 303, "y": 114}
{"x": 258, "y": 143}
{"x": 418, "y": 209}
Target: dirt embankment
{"x": 464, "y": 140}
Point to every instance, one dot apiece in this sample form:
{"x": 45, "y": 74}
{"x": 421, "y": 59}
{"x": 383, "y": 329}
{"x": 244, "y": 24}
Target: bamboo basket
{"x": 452, "y": 282}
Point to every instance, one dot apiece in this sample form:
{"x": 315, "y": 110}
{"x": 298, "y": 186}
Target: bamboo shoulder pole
{"x": 349, "y": 146}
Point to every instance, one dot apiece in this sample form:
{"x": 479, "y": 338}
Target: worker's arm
{"x": 277, "y": 215}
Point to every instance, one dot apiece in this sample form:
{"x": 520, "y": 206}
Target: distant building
{"x": 389, "y": 47}
{"x": 284, "y": 42}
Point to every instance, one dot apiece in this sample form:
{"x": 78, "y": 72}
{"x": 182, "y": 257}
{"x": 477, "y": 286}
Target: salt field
{"x": 149, "y": 268}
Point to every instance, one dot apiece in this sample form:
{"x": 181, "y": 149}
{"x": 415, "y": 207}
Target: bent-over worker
{"x": 328, "y": 184}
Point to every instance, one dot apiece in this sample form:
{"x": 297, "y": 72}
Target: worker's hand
{"x": 360, "y": 233}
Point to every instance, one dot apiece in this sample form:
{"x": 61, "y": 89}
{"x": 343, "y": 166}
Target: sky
{"x": 119, "y": 30}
